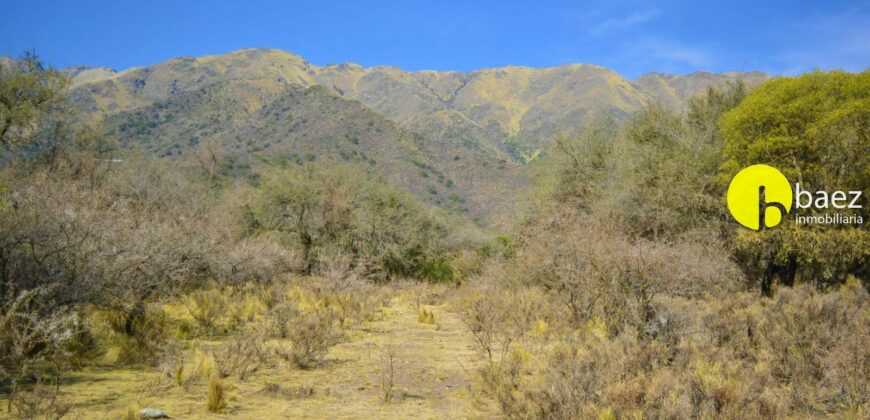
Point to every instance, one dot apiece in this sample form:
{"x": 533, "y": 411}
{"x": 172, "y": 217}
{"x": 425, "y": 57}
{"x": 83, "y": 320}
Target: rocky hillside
{"x": 458, "y": 139}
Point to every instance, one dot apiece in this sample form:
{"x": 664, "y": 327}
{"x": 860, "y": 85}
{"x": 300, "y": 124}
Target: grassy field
{"x": 433, "y": 374}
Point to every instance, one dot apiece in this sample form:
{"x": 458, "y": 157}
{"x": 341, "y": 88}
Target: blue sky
{"x": 633, "y": 38}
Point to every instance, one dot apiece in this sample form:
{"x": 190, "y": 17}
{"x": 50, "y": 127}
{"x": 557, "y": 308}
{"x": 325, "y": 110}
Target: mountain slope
{"x": 288, "y": 127}
{"x": 675, "y": 91}
{"x": 458, "y": 139}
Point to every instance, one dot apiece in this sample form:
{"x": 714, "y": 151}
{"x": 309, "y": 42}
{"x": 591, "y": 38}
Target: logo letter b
{"x": 799, "y": 195}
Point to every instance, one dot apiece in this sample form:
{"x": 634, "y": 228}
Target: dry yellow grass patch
{"x": 431, "y": 377}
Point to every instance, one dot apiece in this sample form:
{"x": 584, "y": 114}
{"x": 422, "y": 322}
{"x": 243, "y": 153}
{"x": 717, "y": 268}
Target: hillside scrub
{"x": 92, "y": 230}
{"x": 624, "y": 291}
{"x": 628, "y": 293}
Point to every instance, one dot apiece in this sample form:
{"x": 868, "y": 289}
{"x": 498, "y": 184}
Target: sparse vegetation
{"x": 622, "y": 291}
{"x": 646, "y": 312}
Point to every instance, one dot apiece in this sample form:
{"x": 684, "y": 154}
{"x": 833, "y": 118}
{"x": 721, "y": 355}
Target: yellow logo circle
{"x": 759, "y": 196}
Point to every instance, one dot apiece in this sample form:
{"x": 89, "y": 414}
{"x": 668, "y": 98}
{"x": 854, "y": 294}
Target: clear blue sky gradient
{"x": 778, "y": 37}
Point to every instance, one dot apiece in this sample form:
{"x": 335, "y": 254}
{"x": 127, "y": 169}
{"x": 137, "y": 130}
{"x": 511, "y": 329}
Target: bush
{"x": 379, "y": 232}
{"x": 312, "y": 333}
{"x": 596, "y": 271}
{"x": 32, "y": 340}
{"x": 127, "y": 338}
{"x": 40, "y": 402}
{"x": 206, "y": 307}
{"x": 244, "y": 354}
{"x": 734, "y": 355}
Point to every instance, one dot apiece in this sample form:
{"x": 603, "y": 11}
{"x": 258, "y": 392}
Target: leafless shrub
{"x": 281, "y": 318}
{"x": 244, "y": 354}
{"x": 40, "y": 402}
{"x": 385, "y": 367}
{"x": 490, "y": 318}
{"x": 134, "y": 337}
{"x": 33, "y": 339}
{"x": 312, "y": 334}
{"x": 258, "y": 258}
{"x": 596, "y": 271}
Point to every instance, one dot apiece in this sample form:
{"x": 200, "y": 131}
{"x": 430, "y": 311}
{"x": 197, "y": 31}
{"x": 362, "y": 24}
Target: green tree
{"x": 339, "y": 220}
{"x": 813, "y": 128}
{"x": 28, "y": 94}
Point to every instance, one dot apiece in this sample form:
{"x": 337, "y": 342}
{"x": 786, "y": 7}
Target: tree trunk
{"x": 789, "y": 271}
{"x": 767, "y": 280}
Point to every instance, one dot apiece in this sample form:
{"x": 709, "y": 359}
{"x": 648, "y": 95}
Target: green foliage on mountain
{"x": 471, "y": 133}
{"x": 298, "y": 125}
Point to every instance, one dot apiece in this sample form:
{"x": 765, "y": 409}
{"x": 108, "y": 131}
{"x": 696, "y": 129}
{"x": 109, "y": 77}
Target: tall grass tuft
{"x": 216, "y": 400}
{"x": 425, "y": 316}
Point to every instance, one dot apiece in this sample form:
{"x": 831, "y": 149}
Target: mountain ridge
{"x": 476, "y": 129}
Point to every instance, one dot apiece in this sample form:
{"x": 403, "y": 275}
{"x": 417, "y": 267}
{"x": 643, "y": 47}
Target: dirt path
{"x": 434, "y": 367}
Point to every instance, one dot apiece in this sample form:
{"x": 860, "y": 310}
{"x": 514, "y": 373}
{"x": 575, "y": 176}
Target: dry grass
{"x": 426, "y": 316}
{"x": 215, "y": 398}
{"x": 801, "y": 354}
{"x": 385, "y": 369}
{"x": 515, "y": 351}
{"x": 132, "y": 413}
{"x": 434, "y": 371}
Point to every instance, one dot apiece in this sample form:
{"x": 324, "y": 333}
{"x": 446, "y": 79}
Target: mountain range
{"x": 459, "y": 140}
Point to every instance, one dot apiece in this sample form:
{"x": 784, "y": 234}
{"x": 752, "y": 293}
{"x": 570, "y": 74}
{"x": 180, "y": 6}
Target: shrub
{"x": 126, "y": 338}
{"x": 312, "y": 334}
{"x": 215, "y": 398}
{"x": 378, "y": 231}
{"x": 31, "y": 339}
{"x": 40, "y": 402}
{"x": 206, "y": 307}
{"x": 492, "y": 321}
{"x": 596, "y": 271}
{"x": 385, "y": 368}
{"x": 802, "y": 353}
{"x": 242, "y": 355}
